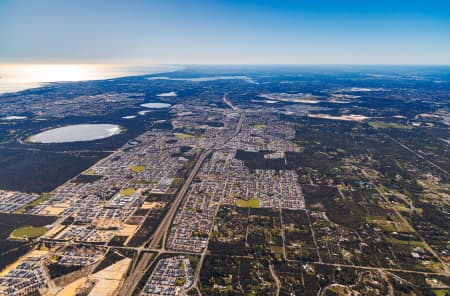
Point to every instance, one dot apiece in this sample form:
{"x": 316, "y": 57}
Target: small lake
{"x": 205, "y": 79}
{"x": 76, "y": 133}
{"x": 13, "y": 117}
{"x": 167, "y": 94}
{"x": 156, "y": 105}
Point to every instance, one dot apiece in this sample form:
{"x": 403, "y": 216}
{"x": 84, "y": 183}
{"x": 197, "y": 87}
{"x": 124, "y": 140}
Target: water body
{"x": 168, "y": 94}
{"x": 204, "y": 79}
{"x": 77, "y": 133}
{"x": 156, "y": 105}
{"x": 17, "y": 77}
{"x": 144, "y": 112}
{"x": 13, "y": 117}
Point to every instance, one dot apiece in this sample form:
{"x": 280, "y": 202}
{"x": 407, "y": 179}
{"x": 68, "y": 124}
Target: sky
{"x": 225, "y": 32}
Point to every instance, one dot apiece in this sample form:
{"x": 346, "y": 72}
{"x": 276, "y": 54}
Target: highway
{"x": 159, "y": 235}
{"x": 131, "y": 283}
{"x": 241, "y": 118}
{"x": 167, "y": 221}
{"x": 226, "y": 101}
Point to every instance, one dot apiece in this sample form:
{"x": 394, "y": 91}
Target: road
{"x": 418, "y": 155}
{"x": 377, "y": 268}
{"x": 138, "y": 271}
{"x": 166, "y": 222}
{"x": 226, "y": 101}
{"x": 275, "y": 277}
{"x": 406, "y": 222}
{"x": 241, "y": 118}
{"x": 134, "y": 278}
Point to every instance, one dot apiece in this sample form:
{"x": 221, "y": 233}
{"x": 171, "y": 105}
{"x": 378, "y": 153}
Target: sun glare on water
{"x": 15, "y": 77}
{"x": 47, "y": 73}
{"x": 55, "y": 72}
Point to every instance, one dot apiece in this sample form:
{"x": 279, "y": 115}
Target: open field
{"x": 382, "y": 124}
{"x": 251, "y": 203}
{"x": 183, "y": 136}
{"x": 127, "y": 191}
{"x": 137, "y": 168}
{"x": 260, "y": 126}
{"x": 28, "y": 232}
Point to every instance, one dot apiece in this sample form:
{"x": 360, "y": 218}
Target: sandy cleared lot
{"x": 127, "y": 230}
{"x": 106, "y": 223}
{"x": 108, "y": 280}
{"x": 350, "y": 117}
{"x": 55, "y": 210}
{"x": 152, "y": 205}
{"x": 72, "y": 288}
{"x": 53, "y": 231}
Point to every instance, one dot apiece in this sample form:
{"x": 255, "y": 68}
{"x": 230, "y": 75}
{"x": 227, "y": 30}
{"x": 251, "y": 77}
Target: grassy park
{"x": 28, "y": 231}
{"x": 251, "y": 203}
{"x": 137, "y": 168}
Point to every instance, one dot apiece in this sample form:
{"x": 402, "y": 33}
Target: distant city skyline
{"x": 225, "y": 32}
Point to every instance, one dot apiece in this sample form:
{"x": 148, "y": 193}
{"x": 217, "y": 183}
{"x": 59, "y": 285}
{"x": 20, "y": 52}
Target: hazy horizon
{"x": 18, "y": 77}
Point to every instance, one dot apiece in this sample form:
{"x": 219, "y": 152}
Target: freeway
{"x": 241, "y": 118}
{"x": 166, "y": 222}
{"x": 138, "y": 271}
{"x": 130, "y": 284}
{"x": 228, "y": 102}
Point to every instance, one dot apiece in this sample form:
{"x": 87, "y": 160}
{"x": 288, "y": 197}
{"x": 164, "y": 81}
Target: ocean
{"x": 17, "y": 77}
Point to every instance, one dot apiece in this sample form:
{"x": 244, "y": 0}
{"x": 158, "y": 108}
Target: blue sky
{"x": 225, "y": 32}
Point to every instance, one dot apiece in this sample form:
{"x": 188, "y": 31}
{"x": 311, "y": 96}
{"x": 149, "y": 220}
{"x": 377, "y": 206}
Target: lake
{"x": 156, "y": 105}
{"x": 205, "y": 79}
{"x": 76, "y": 133}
